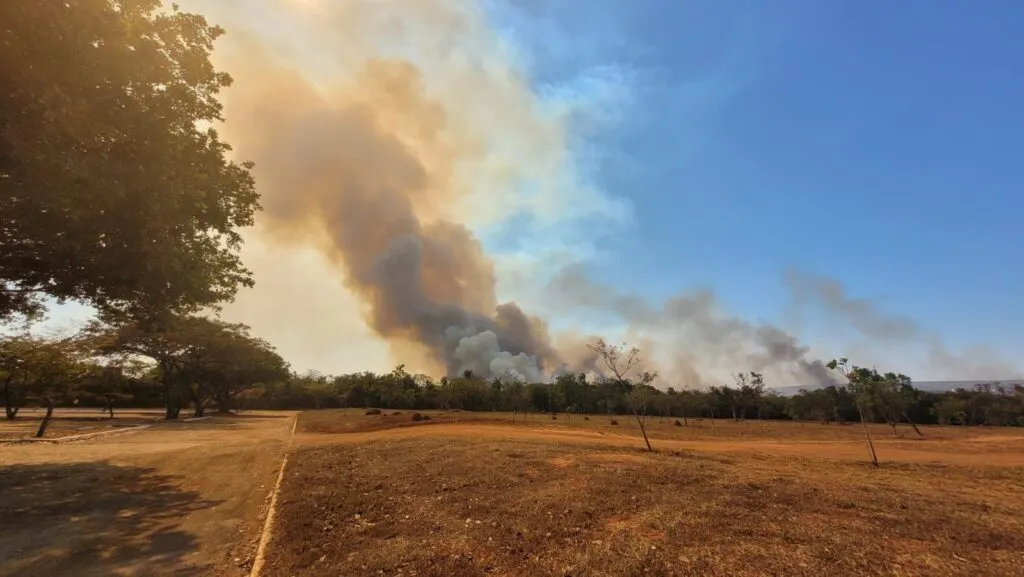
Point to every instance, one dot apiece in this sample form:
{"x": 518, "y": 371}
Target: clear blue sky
{"x": 878, "y": 143}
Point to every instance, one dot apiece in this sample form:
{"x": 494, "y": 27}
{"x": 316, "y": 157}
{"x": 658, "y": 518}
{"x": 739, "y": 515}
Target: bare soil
{"x": 173, "y": 499}
{"x": 479, "y": 496}
{"x": 70, "y": 422}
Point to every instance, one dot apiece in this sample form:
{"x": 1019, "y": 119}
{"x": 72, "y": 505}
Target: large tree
{"x": 227, "y": 361}
{"x": 198, "y": 359}
{"x": 114, "y": 190}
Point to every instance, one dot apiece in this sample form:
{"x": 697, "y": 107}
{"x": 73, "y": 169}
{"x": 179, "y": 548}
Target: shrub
{"x": 586, "y": 418}
{"x": 373, "y": 412}
{"x": 614, "y": 422}
{"x": 420, "y": 417}
{"x": 677, "y": 423}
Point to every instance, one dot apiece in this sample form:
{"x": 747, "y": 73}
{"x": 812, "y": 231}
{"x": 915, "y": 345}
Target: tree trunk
{"x": 913, "y": 424}
{"x": 173, "y": 410}
{"x": 9, "y": 409}
{"x": 46, "y": 418}
{"x": 867, "y": 435}
{"x": 643, "y": 430}
{"x": 892, "y": 424}
{"x": 224, "y": 402}
{"x": 110, "y": 407}
{"x": 170, "y": 403}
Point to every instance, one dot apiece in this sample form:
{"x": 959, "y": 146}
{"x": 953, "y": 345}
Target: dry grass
{"x": 433, "y": 502}
{"x": 937, "y": 438}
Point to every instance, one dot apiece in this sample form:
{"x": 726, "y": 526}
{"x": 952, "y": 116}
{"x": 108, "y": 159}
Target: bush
{"x": 677, "y": 423}
{"x": 373, "y": 412}
{"x": 614, "y": 422}
{"x": 420, "y": 417}
{"x": 586, "y": 418}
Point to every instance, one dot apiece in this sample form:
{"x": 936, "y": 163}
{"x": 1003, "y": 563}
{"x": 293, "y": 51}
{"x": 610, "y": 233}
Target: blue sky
{"x": 877, "y": 143}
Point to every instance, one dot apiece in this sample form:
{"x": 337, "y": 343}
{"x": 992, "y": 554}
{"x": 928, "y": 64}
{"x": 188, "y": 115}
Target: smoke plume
{"x": 868, "y": 319}
{"x": 861, "y": 314}
{"x": 369, "y": 158}
{"x": 385, "y": 133}
{"x": 407, "y": 126}
{"x": 691, "y": 340}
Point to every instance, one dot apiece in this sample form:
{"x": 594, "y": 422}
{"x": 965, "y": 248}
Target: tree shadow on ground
{"x": 94, "y": 519}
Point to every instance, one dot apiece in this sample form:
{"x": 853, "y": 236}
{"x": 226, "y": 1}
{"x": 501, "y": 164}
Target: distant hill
{"x": 937, "y": 386}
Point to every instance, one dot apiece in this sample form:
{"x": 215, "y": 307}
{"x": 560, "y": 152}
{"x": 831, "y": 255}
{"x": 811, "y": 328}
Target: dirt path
{"x": 175, "y": 499}
{"x": 946, "y": 452}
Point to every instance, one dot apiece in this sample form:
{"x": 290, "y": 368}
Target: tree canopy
{"x": 114, "y": 190}
{"x": 38, "y": 368}
{"x": 197, "y": 359}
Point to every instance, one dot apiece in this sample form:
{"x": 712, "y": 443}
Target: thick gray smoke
{"x": 692, "y": 341}
{"x": 327, "y": 167}
{"x": 371, "y": 167}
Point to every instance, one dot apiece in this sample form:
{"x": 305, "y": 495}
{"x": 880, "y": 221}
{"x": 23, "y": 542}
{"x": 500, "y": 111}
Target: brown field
{"x": 472, "y": 494}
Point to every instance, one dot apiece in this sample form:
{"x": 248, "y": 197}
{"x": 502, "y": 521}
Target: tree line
{"x": 990, "y": 404}
{"x": 194, "y": 362}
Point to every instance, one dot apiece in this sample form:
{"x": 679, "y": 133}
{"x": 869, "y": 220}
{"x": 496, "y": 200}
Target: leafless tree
{"x": 624, "y": 364}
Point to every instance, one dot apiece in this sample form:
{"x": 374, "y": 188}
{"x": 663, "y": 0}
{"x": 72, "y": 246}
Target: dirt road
{"x": 174, "y": 499}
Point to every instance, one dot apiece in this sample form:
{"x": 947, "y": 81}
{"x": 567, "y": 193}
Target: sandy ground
{"x": 959, "y": 452}
{"x": 174, "y": 499}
